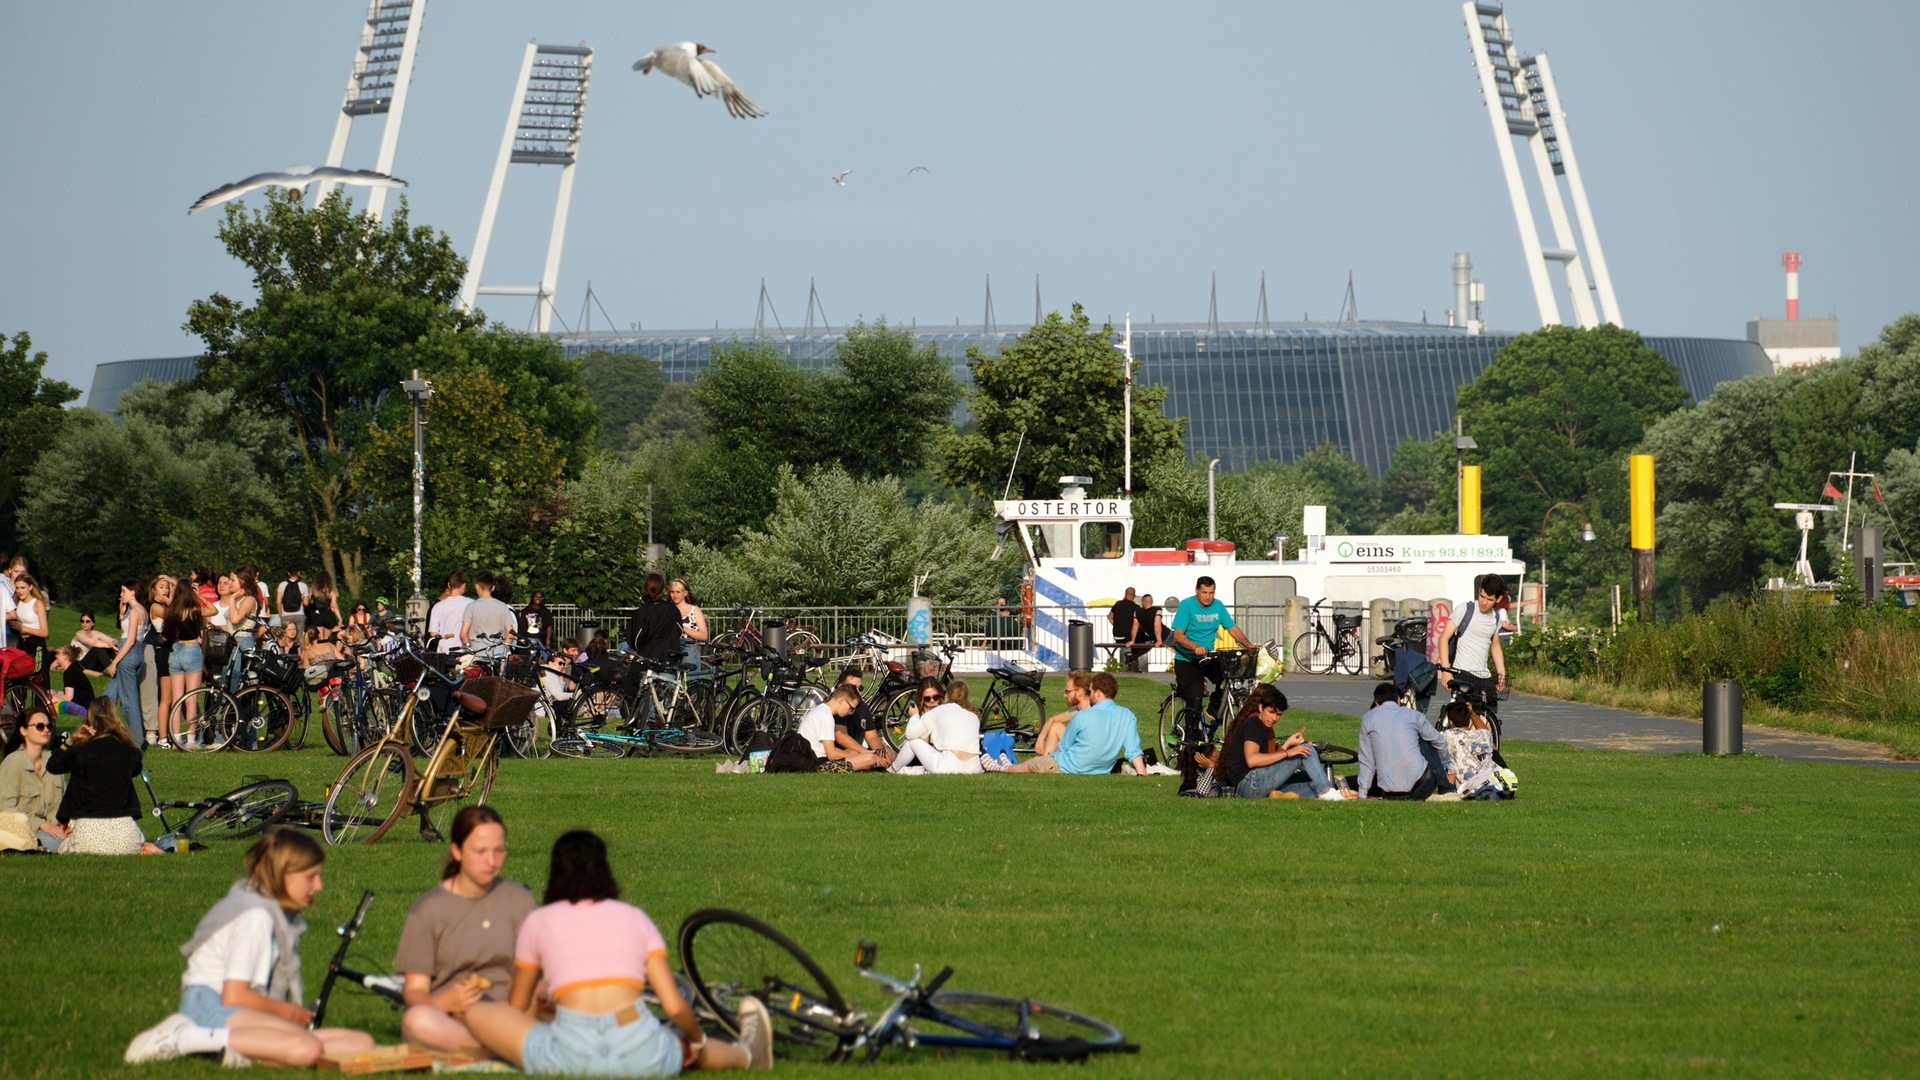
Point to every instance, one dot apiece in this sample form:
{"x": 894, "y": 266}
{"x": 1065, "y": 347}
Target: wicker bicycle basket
{"x": 508, "y": 703}
{"x": 407, "y": 669}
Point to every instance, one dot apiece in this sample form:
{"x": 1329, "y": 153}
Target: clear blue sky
{"x": 1121, "y": 150}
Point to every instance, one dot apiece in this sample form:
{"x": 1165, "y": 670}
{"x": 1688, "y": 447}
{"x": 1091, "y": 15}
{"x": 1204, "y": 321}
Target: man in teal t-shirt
{"x": 1196, "y": 625}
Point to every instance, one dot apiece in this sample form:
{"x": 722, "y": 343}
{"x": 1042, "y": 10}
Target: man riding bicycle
{"x": 1196, "y": 625}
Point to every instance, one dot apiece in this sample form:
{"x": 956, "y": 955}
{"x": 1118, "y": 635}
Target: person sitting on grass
{"x": 76, "y": 690}
{"x": 945, "y": 736}
{"x": 1098, "y": 736}
{"x": 241, "y": 994}
{"x": 26, "y": 787}
{"x": 857, "y": 730}
{"x": 92, "y": 647}
{"x": 599, "y": 956}
{"x": 456, "y": 948}
{"x": 817, "y": 728}
{"x": 1402, "y": 755}
{"x": 1079, "y": 695}
{"x": 1255, "y": 768}
{"x": 100, "y": 805}
{"x": 1470, "y": 751}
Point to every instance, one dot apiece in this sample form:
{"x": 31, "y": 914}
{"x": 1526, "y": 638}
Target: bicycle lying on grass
{"x": 730, "y": 956}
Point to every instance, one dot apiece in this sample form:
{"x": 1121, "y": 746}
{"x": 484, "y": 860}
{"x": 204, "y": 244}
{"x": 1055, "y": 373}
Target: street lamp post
{"x": 1462, "y": 442}
{"x": 1586, "y": 533}
{"x": 418, "y": 390}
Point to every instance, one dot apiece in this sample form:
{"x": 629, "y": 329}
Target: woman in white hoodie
{"x": 240, "y": 996}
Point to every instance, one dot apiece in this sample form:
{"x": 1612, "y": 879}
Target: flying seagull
{"x": 294, "y": 179}
{"x": 919, "y": 168}
{"x": 682, "y": 61}
{"x": 842, "y": 178}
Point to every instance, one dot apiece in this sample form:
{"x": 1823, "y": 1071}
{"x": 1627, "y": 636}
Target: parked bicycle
{"x": 379, "y": 784}
{"x": 729, "y": 956}
{"x": 1318, "y": 651}
{"x": 1012, "y": 704}
{"x": 750, "y": 636}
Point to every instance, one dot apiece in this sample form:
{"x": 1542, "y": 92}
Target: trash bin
{"x": 587, "y": 632}
{"x": 1079, "y": 645}
{"x": 1720, "y": 716}
{"x": 773, "y": 638}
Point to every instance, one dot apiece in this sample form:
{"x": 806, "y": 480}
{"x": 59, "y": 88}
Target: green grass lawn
{"x": 1628, "y": 914}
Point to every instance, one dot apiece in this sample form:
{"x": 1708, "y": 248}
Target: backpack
{"x": 793, "y": 753}
{"x": 1453, "y": 638}
{"x": 291, "y": 598}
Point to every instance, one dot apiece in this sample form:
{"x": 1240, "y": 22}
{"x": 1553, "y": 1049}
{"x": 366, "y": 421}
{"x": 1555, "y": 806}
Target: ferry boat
{"x": 1080, "y": 560}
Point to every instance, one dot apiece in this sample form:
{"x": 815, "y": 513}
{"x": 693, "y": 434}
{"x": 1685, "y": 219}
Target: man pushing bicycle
{"x": 1196, "y": 625}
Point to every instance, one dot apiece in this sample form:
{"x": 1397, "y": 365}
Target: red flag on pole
{"x": 1830, "y": 492}
{"x": 1877, "y": 497}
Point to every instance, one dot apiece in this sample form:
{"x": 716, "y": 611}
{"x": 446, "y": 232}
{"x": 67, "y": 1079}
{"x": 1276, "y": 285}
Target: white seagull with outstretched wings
{"x": 294, "y": 179}
{"x": 682, "y": 60}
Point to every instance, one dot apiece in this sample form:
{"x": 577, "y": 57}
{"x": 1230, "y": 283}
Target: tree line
{"x": 771, "y": 484}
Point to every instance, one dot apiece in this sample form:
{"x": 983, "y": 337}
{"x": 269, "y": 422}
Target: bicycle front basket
{"x": 508, "y": 703}
{"x": 1238, "y": 663}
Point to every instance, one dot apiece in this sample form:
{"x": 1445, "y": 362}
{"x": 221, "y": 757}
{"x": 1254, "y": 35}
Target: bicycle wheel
{"x": 1313, "y": 653}
{"x": 1016, "y": 1019}
{"x": 266, "y": 716}
{"x": 767, "y": 716}
{"x": 369, "y": 795}
{"x": 241, "y": 812}
{"x": 1349, "y": 656}
{"x": 471, "y": 763}
{"x": 692, "y": 740}
{"x": 425, "y": 725}
{"x": 379, "y": 718}
{"x": 214, "y": 718}
{"x": 335, "y": 722}
{"x": 302, "y": 702}
{"x": 1017, "y": 712}
{"x": 731, "y": 957}
{"x": 543, "y": 724}
{"x": 802, "y": 642}
{"x": 22, "y": 697}
{"x": 576, "y": 744}
{"x": 892, "y": 716}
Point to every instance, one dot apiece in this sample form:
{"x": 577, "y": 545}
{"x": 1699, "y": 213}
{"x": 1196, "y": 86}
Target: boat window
{"x": 1101, "y": 540}
{"x": 1037, "y": 541}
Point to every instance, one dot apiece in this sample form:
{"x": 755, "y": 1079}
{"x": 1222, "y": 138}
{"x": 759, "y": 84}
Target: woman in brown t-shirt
{"x": 457, "y": 945}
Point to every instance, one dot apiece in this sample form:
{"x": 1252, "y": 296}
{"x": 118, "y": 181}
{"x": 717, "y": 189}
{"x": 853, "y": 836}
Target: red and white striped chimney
{"x": 1791, "y": 260}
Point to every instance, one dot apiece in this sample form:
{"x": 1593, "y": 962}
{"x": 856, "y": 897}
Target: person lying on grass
{"x": 457, "y": 946}
{"x": 240, "y": 996}
{"x": 599, "y": 955}
{"x": 1256, "y": 768}
{"x": 1096, "y": 737}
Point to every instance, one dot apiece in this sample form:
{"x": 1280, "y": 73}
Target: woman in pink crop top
{"x": 599, "y": 955}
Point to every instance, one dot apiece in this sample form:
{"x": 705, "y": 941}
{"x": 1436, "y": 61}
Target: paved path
{"x": 1596, "y": 726}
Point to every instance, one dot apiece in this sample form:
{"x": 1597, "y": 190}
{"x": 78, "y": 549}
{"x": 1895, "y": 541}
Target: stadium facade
{"x": 1250, "y": 393}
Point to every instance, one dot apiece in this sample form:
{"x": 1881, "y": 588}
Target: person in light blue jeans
{"x": 128, "y": 664}
{"x": 1257, "y": 766}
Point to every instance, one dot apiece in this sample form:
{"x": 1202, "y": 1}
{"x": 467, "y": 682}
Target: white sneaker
{"x": 233, "y": 1059}
{"x": 161, "y": 1042}
{"x": 1445, "y": 796}
{"x": 1332, "y": 794}
{"x": 1157, "y": 769}
{"x": 911, "y": 770}
{"x": 756, "y": 1033}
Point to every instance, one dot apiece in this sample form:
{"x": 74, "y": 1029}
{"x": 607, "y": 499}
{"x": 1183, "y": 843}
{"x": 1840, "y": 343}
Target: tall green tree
{"x": 1553, "y": 406}
{"x": 32, "y": 415}
{"x": 346, "y": 308}
{"x": 188, "y": 482}
{"x": 625, "y": 387}
{"x": 889, "y": 401}
{"x": 1056, "y": 396}
{"x": 752, "y": 399}
{"x": 834, "y": 539}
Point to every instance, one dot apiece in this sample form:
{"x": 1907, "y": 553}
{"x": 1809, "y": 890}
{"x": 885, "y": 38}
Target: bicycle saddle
{"x": 472, "y": 704}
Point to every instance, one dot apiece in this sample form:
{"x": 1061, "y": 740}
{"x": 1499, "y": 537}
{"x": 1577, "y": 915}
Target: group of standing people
{"x": 554, "y": 988}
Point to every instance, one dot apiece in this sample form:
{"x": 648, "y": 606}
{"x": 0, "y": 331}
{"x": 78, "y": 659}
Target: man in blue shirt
{"x": 1196, "y": 625}
{"x": 1402, "y": 755}
{"x": 1096, "y": 737}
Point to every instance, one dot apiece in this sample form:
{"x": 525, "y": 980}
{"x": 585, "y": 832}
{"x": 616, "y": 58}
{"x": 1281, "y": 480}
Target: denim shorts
{"x": 187, "y": 659}
{"x": 202, "y": 1005}
{"x": 587, "y": 1044}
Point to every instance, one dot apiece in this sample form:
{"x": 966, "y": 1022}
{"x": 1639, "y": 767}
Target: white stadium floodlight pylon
{"x": 543, "y": 128}
{"x": 1523, "y": 103}
{"x": 377, "y": 86}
